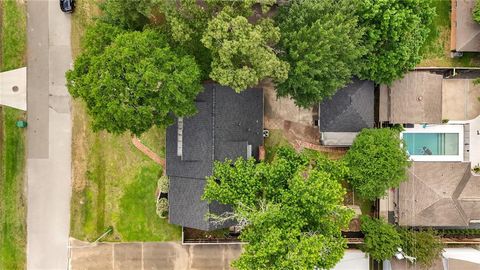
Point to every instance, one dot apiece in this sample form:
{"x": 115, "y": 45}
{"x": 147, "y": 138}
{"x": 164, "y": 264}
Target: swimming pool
{"x": 434, "y": 142}
{"x": 431, "y": 143}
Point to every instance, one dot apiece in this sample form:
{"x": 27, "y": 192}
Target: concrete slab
{"x": 13, "y": 88}
{"x": 127, "y": 256}
{"x": 164, "y": 256}
{"x": 150, "y": 256}
{"x": 460, "y": 99}
{"x": 37, "y": 78}
{"x": 277, "y": 110}
{"x": 93, "y": 258}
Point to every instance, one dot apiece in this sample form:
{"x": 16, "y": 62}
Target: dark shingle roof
{"x": 226, "y": 123}
{"x": 350, "y": 110}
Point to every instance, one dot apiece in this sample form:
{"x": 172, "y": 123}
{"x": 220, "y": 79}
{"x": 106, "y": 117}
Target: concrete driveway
{"x": 151, "y": 256}
{"x": 48, "y": 136}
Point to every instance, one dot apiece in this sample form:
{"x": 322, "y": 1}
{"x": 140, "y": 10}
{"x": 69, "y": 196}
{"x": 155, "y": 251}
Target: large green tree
{"x": 127, "y": 14}
{"x": 242, "y": 52}
{"x": 321, "y": 41}
{"x": 395, "y": 33}
{"x": 376, "y": 161}
{"x": 136, "y": 82}
{"x": 381, "y": 239}
{"x": 291, "y": 209}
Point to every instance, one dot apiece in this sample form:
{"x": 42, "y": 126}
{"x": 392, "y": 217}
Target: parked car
{"x": 67, "y": 5}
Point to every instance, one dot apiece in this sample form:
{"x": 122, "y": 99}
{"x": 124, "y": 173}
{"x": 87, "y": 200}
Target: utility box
{"x": 21, "y": 124}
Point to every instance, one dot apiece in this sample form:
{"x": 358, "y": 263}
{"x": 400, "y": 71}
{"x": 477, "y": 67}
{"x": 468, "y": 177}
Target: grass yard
{"x": 437, "y": 49}
{"x": 12, "y": 148}
{"x": 114, "y": 183}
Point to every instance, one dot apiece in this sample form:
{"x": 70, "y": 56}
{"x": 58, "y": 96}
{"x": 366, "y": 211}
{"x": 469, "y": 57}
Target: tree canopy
{"x": 242, "y": 52}
{"x": 127, "y": 14}
{"x": 476, "y": 11}
{"x": 136, "y": 82}
{"x": 291, "y": 209}
{"x": 376, "y": 162}
{"x": 321, "y": 40}
{"x": 395, "y": 33}
{"x": 381, "y": 239}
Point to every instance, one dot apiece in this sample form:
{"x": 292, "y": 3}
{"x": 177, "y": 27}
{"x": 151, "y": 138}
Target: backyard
{"x": 12, "y": 148}
{"x": 114, "y": 184}
{"x": 437, "y": 48}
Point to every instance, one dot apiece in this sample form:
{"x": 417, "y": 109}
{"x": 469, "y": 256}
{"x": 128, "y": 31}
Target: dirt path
{"x": 144, "y": 149}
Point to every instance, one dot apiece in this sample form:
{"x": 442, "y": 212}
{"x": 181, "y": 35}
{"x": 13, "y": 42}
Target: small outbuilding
{"x": 346, "y": 113}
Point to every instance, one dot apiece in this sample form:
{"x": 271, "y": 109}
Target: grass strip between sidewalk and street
{"x": 12, "y": 143}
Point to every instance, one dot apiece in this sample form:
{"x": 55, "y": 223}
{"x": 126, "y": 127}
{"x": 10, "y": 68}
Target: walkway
{"x": 151, "y": 255}
{"x": 48, "y": 136}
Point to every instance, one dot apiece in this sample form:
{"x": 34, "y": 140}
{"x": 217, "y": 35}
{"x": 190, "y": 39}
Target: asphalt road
{"x": 48, "y": 136}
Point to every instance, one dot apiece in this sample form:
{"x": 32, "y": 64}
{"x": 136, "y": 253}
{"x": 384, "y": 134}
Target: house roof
{"x": 467, "y": 30}
{"x": 350, "y": 110}
{"x": 225, "y": 126}
{"x": 416, "y": 98}
{"x": 440, "y": 194}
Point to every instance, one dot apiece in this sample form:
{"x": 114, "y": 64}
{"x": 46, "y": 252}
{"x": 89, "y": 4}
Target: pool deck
{"x": 474, "y": 139}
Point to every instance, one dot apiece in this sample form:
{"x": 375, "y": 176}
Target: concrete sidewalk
{"x": 151, "y": 255}
{"x": 48, "y": 136}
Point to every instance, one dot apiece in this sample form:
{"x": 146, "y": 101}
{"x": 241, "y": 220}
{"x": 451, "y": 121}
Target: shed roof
{"x": 226, "y": 123}
{"x": 467, "y": 30}
{"x": 440, "y": 194}
{"x": 351, "y": 109}
{"x": 416, "y": 98}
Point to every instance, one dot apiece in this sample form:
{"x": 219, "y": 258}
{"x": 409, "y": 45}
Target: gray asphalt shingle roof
{"x": 225, "y": 124}
{"x": 350, "y": 110}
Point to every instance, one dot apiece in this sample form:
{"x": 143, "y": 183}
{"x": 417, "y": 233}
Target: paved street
{"x": 158, "y": 256}
{"x": 48, "y": 136}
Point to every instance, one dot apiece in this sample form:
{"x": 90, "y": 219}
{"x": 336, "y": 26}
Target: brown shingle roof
{"x": 439, "y": 194}
{"x": 417, "y": 98}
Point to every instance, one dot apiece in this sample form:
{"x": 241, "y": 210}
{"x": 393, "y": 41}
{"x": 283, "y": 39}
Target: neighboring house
{"x": 439, "y": 194}
{"x": 452, "y": 259}
{"x": 228, "y": 125}
{"x": 350, "y": 110}
{"x": 465, "y": 32}
{"x": 441, "y": 121}
{"x": 416, "y": 98}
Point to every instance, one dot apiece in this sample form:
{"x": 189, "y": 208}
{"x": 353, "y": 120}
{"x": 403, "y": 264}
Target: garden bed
{"x": 192, "y": 236}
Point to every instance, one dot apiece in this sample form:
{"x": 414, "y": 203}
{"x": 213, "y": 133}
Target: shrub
{"x": 162, "y": 208}
{"x": 377, "y": 162}
{"x": 163, "y": 184}
{"x": 381, "y": 239}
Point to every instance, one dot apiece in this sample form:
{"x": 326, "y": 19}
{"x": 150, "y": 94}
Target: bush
{"x": 381, "y": 239}
{"x": 426, "y": 246}
{"x": 377, "y": 162}
{"x": 162, "y": 208}
{"x": 163, "y": 184}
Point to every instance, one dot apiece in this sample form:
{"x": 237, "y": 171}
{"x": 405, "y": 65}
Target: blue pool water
{"x": 431, "y": 143}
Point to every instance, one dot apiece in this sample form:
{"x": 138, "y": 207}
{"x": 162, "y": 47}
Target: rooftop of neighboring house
{"x": 452, "y": 259}
{"x": 429, "y": 97}
{"x": 351, "y": 109}
{"x": 416, "y": 98}
{"x": 228, "y": 125}
{"x": 465, "y": 35}
{"x": 439, "y": 194}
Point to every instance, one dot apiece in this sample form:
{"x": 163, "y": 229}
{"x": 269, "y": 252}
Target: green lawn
{"x": 275, "y": 140}
{"x": 12, "y": 148}
{"x": 114, "y": 184}
{"x": 437, "y": 49}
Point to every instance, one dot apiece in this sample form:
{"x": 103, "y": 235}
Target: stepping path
{"x": 148, "y": 152}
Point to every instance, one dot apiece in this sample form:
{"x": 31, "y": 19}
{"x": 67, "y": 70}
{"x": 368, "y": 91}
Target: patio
{"x": 460, "y": 99}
